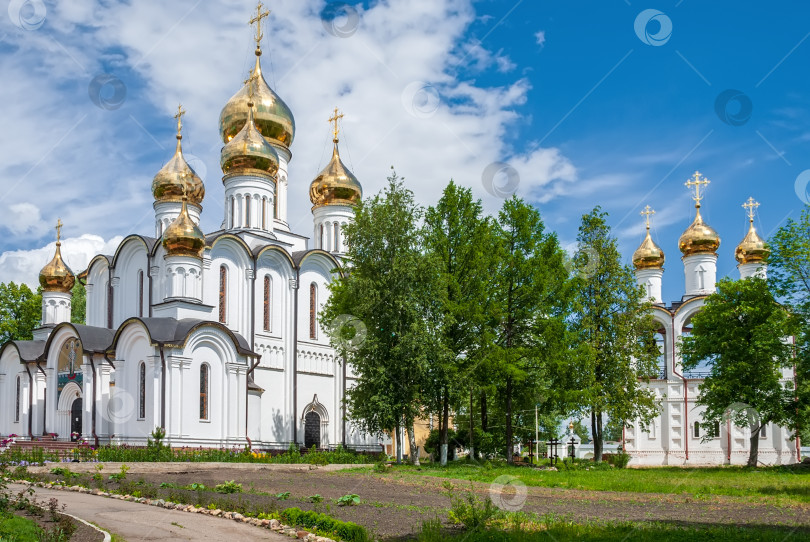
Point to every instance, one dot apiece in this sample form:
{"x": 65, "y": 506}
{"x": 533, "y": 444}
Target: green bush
{"x": 327, "y": 525}
{"x": 228, "y": 487}
{"x": 19, "y": 529}
{"x": 619, "y": 460}
{"x": 472, "y": 512}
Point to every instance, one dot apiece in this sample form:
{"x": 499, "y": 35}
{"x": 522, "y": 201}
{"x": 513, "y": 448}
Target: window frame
{"x": 142, "y": 391}
{"x": 205, "y": 392}
{"x": 223, "y": 294}
{"x": 313, "y": 311}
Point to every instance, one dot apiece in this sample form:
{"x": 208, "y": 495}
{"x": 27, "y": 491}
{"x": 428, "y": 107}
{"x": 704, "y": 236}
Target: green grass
{"x": 781, "y": 484}
{"x": 17, "y": 529}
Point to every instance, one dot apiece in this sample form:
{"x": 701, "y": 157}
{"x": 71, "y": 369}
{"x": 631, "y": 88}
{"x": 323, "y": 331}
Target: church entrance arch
{"x": 76, "y": 419}
{"x": 312, "y": 430}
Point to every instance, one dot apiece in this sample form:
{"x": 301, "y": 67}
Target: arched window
{"x": 204, "y": 391}
{"x": 247, "y": 211}
{"x": 19, "y": 400}
{"x": 697, "y": 430}
{"x": 268, "y": 287}
{"x": 140, "y": 293}
{"x": 223, "y": 295}
{"x": 320, "y": 243}
{"x": 313, "y": 311}
{"x": 142, "y": 391}
{"x": 661, "y": 342}
{"x": 337, "y": 230}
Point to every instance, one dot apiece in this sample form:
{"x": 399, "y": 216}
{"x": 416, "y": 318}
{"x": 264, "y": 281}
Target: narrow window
{"x": 247, "y": 211}
{"x": 264, "y": 213}
{"x": 337, "y": 246}
{"x": 142, "y": 391}
{"x": 313, "y": 295}
{"x": 697, "y": 429}
{"x": 232, "y": 221}
{"x": 320, "y": 244}
{"x": 140, "y": 293}
{"x": 763, "y": 433}
{"x": 716, "y": 430}
{"x": 19, "y": 397}
{"x": 203, "y": 391}
{"x": 267, "y": 307}
{"x": 223, "y": 297}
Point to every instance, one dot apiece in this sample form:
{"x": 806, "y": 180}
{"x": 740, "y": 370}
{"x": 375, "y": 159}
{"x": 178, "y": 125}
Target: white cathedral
{"x": 679, "y": 435}
{"x": 215, "y": 337}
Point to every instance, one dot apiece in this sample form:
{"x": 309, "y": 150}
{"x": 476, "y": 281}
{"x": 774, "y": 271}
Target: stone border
{"x": 107, "y": 537}
{"x": 272, "y": 524}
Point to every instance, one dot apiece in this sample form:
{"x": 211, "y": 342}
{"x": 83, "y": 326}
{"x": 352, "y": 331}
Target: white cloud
{"x": 22, "y": 218}
{"x": 540, "y": 36}
{"x": 23, "y": 266}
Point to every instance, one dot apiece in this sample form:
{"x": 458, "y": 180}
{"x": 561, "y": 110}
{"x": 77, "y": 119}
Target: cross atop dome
{"x": 59, "y": 229}
{"x": 647, "y": 213}
{"x": 334, "y": 119}
{"x": 696, "y": 182}
{"x": 257, "y": 20}
{"x": 179, "y": 117}
{"x": 750, "y": 207}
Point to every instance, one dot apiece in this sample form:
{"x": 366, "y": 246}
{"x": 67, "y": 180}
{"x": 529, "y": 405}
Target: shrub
{"x": 228, "y": 487}
{"x": 348, "y": 500}
{"x": 472, "y": 512}
{"x": 619, "y": 460}
{"x": 344, "y": 530}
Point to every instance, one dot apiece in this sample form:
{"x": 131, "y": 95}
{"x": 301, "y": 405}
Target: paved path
{"x": 138, "y": 522}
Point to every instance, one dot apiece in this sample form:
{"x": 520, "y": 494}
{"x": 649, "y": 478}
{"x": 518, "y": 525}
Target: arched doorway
{"x": 312, "y": 430}
{"x": 76, "y": 412}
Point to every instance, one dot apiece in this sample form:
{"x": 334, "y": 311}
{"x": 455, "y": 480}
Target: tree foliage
{"x": 78, "y": 303}
{"x": 20, "y": 311}
{"x": 741, "y": 332}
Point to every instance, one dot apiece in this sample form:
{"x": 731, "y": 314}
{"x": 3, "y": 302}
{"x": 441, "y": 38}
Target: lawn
{"x": 17, "y": 529}
{"x": 790, "y": 484}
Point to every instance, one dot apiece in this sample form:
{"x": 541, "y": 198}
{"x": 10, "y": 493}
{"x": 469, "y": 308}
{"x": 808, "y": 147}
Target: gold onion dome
{"x": 248, "y": 152}
{"x": 335, "y": 184}
{"x": 752, "y": 248}
{"x": 273, "y": 118}
{"x": 56, "y": 276}
{"x": 177, "y": 178}
{"x": 183, "y": 237}
{"x": 699, "y": 237}
{"x": 648, "y": 255}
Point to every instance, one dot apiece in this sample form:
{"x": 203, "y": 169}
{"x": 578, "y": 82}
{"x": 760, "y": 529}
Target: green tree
{"x": 457, "y": 238}
{"x": 530, "y": 304}
{"x": 741, "y": 333}
{"x": 388, "y": 294}
{"x": 78, "y": 303}
{"x": 614, "y": 330}
{"x": 20, "y": 312}
{"x": 582, "y": 432}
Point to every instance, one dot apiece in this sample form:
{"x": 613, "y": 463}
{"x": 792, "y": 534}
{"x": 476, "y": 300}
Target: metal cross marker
{"x": 698, "y": 182}
{"x": 647, "y": 213}
{"x": 750, "y": 206}
{"x": 59, "y": 229}
{"x": 335, "y": 119}
{"x": 258, "y": 21}
{"x": 179, "y": 117}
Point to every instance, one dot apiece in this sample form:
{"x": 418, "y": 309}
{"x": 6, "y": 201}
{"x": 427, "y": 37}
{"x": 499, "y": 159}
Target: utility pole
{"x": 536, "y": 435}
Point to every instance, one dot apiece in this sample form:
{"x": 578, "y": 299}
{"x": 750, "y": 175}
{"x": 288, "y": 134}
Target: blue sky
{"x": 568, "y": 94}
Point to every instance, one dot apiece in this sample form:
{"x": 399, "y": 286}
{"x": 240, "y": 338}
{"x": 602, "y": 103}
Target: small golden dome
{"x": 176, "y": 178}
{"x": 183, "y": 237}
{"x": 248, "y": 152}
{"x": 699, "y": 237}
{"x": 648, "y": 255}
{"x": 273, "y": 118}
{"x": 752, "y": 248}
{"x": 56, "y": 276}
{"x": 335, "y": 184}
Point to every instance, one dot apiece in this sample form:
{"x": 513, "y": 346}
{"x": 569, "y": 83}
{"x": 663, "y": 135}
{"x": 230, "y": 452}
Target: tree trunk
{"x": 398, "y": 437}
{"x": 484, "y": 411}
{"x": 597, "y": 439}
{"x": 445, "y": 423}
{"x": 414, "y": 455}
{"x": 753, "y": 454}
{"x": 601, "y": 434}
{"x": 509, "y": 446}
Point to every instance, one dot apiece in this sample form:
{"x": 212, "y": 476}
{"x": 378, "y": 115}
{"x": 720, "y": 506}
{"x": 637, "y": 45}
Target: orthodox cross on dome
{"x": 179, "y": 117}
{"x": 647, "y": 213}
{"x": 334, "y": 119}
{"x": 750, "y": 207}
{"x": 249, "y": 82}
{"x": 258, "y": 21}
{"x": 59, "y": 229}
{"x": 696, "y": 182}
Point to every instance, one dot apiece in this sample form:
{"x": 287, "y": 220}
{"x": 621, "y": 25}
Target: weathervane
{"x": 698, "y": 182}
{"x": 647, "y": 213}
{"x": 335, "y": 129}
{"x": 750, "y": 206}
{"x": 258, "y": 20}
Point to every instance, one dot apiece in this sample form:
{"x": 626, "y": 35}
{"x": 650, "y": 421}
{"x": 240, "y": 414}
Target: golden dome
{"x": 248, "y": 152}
{"x": 176, "y": 178}
{"x": 648, "y": 255}
{"x": 699, "y": 237}
{"x": 56, "y": 276}
{"x": 183, "y": 237}
{"x": 274, "y": 120}
{"x": 752, "y": 248}
{"x": 335, "y": 184}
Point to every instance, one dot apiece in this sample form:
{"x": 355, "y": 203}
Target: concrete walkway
{"x": 138, "y": 522}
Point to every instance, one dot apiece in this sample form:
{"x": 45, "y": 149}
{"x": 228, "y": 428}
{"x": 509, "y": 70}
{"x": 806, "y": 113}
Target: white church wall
{"x": 130, "y": 262}
{"x": 97, "y": 283}
{"x": 310, "y": 385}
{"x": 133, "y": 351}
{"x": 10, "y": 370}
{"x": 275, "y": 426}
{"x": 230, "y": 252}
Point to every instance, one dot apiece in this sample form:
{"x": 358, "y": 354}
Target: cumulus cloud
{"x": 540, "y": 36}
{"x": 22, "y": 218}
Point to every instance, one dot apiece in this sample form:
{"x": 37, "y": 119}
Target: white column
{"x": 756, "y": 269}
{"x": 700, "y": 271}
{"x": 56, "y": 307}
{"x": 650, "y": 280}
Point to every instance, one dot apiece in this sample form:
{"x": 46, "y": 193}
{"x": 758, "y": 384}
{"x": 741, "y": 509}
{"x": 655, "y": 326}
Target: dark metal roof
{"x": 170, "y": 331}
{"x": 28, "y": 350}
{"x": 94, "y": 339}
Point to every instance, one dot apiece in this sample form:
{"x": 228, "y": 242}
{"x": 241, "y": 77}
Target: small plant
{"x": 121, "y": 475}
{"x": 168, "y": 485}
{"x": 472, "y": 512}
{"x": 196, "y": 487}
{"x": 348, "y": 500}
{"x": 283, "y": 496}
{"x": 315, "y": 498}
{"x": 228, "y": 487}
{"x": 212, "y": 506}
